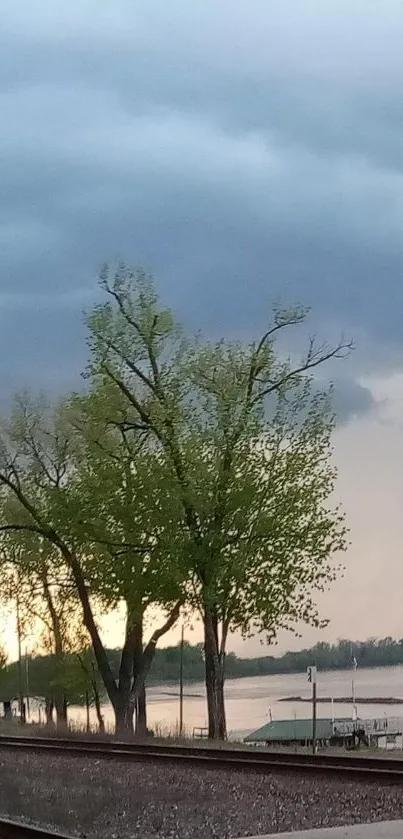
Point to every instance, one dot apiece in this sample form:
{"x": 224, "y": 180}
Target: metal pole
{"x": 27, "y": 680}
{"x": 20, "y": 674}
{"x": 181, "y": 684}
{"x": 314, "y": 716}
{"x": 353, "y": 696}
{"x": 87, "y": 708}
{"x": 354, "y": 666}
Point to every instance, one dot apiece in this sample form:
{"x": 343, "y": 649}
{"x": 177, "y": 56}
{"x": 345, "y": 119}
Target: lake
{"x": 250, "y": 701}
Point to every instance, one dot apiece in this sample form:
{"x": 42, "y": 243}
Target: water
{"x": 250, "y": 701}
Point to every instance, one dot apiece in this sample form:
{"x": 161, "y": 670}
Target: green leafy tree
{"x": 246, "y": 444}
{"x": 47, "y": 475}
{"x": 34, "y": 578}
{"x": 122, "y": 510}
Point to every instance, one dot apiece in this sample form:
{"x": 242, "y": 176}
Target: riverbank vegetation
{"x": 78, "y": 680}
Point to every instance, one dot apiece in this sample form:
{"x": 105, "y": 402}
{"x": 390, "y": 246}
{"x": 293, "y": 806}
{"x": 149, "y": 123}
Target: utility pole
{"x": 312, "y": 678}
{"x": 27, "y": 681}
{"x": 181, "y": 683}
{"x": 314, "y": 717}
{"x": 87, "y": 708}
{"x": 20, "y": 673}
{"x": 354, "y": 667}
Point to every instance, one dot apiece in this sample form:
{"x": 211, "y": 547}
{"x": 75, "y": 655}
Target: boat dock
{"x": 296, "y": 732}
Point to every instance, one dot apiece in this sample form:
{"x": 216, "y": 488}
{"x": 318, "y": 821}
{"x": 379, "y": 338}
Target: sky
{"x": 242, "y": 153}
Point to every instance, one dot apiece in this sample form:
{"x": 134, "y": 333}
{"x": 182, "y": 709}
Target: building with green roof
{"x": 299, "y": 732}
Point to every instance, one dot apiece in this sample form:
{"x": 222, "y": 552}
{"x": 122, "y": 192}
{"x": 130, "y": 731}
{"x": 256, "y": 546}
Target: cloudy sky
{"x": 242, "y": 152}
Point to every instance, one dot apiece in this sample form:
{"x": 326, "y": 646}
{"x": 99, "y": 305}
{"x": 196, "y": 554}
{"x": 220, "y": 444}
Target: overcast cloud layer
{"x": 242, "y": 152}
{"x": 239, "y": 151}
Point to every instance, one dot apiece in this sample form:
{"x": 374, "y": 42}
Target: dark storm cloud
{"x": 351, "y": 399}
{"x": 241, "y": 152}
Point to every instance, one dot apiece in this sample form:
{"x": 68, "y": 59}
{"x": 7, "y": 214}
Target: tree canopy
{"x": 190, "y": 475}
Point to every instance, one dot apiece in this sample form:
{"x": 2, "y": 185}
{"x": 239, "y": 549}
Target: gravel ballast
{"x": 106, "y": 798}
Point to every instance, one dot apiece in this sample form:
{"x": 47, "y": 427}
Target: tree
{"x": 246, "y": 442}
{"x": 89, "y": 668}
{"x": 123, "y": 513}
{"x": 33, "y": 576}
{"x": 45, "y": 496}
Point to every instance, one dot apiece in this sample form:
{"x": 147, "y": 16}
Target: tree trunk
{"x": 214, "y": 667}
{"x": 122, "y": 701}
{"x": 142, "y": 662}
{"x": 130, "y": 662}
{"x": 89, "y": 622}
{"x": 61, "y": 708}
{"x": 211, "y": 677}
{"x": 124, "y": 718}
{"x": 141, "y": 713}
{"x": 222, "y": 721}
{"x": 60, "y": 699}
{"x": 139, "y": 688}
{"x": 91, "y": 675}
{"x": 48, "y": 532}
{"x": 134, "y": 668}
{"x": 97, "y": 701}
{"x": 100, "y": 718}
{"x": 49, "y": 706}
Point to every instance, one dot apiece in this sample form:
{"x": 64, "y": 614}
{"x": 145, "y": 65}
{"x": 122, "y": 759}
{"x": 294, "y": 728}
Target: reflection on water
{"x": 250, "y": 701}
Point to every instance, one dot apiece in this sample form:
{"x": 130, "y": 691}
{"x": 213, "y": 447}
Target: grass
{"x": 169, "y": 735}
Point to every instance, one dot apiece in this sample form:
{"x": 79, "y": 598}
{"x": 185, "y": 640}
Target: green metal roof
{"x": 289, "y": 730}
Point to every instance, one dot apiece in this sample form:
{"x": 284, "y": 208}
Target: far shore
{"x": 358, "y": 700}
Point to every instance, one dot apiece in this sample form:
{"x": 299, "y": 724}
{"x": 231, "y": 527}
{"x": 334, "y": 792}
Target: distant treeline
{"x": 43, "y": 672}
{"x": 381, "y": 652}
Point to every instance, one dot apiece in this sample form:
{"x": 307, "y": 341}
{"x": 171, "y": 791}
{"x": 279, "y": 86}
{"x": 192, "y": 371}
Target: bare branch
{"x": 123, "y": 546}
{"x": 169, "y": 623}
{"x": 118, "y": 299}
{"x": 313, "y": 359}
{"x": 148, "y": 654}
{"x": 291, "y": 321}
{"x": 153, "y": 362}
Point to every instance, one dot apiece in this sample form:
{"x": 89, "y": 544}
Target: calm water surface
{"x": 250, "y": 701}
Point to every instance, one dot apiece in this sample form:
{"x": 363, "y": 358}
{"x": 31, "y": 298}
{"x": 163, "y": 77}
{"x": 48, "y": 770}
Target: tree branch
{"x": 133, "y": 367}
{"x": 71, "y": 559}
{"x": 313, "y": 359}
{"x": 118, "y": 299}
{"x": 145, "y": 417}
{"x": 169, "y": 623}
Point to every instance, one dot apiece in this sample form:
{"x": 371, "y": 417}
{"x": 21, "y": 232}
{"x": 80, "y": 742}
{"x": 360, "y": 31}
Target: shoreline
{"x": 347, "y": 700}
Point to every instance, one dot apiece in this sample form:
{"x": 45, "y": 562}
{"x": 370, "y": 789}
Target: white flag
{"x": 355, "y": 665}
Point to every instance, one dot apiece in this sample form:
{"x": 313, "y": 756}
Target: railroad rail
{"x": 19, "y": 830}
{"x": 376, "y": 769}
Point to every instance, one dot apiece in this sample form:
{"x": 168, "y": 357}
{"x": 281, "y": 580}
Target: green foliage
{"x": 189, "y": 473}
{"x": 244, "y": 443}
{"x": 45, "y": 676}
{"x": 120, "y": 506}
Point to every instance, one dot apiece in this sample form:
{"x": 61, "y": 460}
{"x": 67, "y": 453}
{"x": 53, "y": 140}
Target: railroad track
{"x": 18, "y": 830}
{"x": 376, "y": 769}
